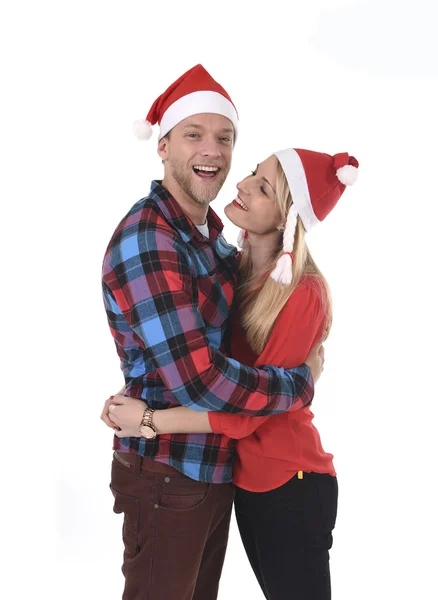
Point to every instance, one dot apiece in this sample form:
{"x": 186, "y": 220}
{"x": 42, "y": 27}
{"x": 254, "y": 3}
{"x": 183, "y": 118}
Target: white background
{"x": 335, "y": 76}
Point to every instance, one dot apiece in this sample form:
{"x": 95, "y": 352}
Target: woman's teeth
{"x": 242, "y": 204}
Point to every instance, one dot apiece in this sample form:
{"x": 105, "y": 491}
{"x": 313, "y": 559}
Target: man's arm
{"x": 126, "y": 413}
{"x": 294, "y": 339}
{"x": 154, "y": 292}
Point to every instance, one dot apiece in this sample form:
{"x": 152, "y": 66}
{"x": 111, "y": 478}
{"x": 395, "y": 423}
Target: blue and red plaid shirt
{"x": 167, "y": 292}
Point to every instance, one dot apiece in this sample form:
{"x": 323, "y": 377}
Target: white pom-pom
{"x": 347, "y": 175}
{"x": 142, "y": 130}
{"x": 283, "y": 270}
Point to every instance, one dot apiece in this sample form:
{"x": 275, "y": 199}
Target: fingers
{"x": 127, "y": 433}
{"x": 118, "y": 399}
{"x": 108, "y": 414}
{"x": 321, "y": 354}
{"x": 114, "y": 416}
{"x": 106, "y": 420}
{"x": 105, "y": 413}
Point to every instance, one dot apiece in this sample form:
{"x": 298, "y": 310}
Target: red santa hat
{"x": 193, "y": 93}
{"x": 316, "y": 182}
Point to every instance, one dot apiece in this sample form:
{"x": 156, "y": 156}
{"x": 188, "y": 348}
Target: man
{"x": 168, "y": 280}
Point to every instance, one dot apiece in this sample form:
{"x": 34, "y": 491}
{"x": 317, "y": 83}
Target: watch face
{"x": 147, "y": 432}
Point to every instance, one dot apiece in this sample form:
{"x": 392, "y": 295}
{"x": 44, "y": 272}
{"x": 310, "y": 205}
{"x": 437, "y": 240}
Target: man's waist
{"x": 184, "y": 456}
{"x": 142, "y": 463}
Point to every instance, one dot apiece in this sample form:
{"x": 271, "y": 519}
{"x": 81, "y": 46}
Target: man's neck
{"x": 197, "y": 213}
{"x": 262, "y": 247}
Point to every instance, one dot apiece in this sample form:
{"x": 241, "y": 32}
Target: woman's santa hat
{"x": 316, "y": 182}
{"x": 193, "y": 93}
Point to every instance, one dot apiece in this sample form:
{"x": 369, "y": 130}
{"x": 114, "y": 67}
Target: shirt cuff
{"x": 215, "y": 422}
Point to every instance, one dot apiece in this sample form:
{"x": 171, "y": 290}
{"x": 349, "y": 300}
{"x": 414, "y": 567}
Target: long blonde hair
{"x": 262, "y": 300}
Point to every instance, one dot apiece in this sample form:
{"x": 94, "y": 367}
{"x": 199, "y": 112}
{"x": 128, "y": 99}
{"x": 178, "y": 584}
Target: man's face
{"x": 197, "y": 155}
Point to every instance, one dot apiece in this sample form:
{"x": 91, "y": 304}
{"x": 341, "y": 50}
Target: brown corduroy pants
{"x": 175, "y": 531}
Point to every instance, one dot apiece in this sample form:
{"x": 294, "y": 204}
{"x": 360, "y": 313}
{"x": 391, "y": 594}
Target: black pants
{"x": 287, "y": 534}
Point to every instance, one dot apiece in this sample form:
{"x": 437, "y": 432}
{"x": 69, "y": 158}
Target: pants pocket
{"x": 327, "y": 493}
{"x": 130, "y": 507}
{"x": 183, "y": 495}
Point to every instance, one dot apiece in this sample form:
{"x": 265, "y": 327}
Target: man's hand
{"x": 126, "y": 413}
{"x": 315, "y": 361}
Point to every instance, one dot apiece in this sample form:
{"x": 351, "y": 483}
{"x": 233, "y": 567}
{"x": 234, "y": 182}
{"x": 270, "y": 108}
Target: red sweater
{"x": 271, "y": 450}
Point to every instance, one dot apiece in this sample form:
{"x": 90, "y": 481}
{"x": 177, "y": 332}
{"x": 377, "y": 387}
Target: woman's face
{"x": 255, "y": 207}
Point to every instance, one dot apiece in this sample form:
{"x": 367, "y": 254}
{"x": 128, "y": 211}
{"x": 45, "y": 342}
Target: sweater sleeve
{"x": 299, "y": 326}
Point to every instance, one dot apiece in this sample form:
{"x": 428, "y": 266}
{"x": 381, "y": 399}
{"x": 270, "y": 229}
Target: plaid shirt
{"x": 167, "y": 292}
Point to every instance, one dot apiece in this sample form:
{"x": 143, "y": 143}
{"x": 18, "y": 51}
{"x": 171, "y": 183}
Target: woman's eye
{"x": 263, "y": 191}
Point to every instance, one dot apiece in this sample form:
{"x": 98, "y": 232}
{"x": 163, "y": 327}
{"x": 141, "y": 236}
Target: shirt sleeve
{"x": 300, "y": 325}
{"x": 151, "y": 282}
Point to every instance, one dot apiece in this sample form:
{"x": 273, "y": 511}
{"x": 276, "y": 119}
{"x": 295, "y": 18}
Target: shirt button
{"x": 167, "y": 479}
{"x": 155, "y": 505}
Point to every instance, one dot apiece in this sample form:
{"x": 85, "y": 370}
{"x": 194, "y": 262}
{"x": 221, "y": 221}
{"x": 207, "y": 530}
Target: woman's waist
{"x": 288, "y": 440}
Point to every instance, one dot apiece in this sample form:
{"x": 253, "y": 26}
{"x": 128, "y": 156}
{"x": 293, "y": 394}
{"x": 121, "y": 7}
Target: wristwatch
{"x": 147, "y": 430}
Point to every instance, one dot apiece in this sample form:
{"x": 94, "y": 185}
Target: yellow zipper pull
{"x": 300, "y": 474}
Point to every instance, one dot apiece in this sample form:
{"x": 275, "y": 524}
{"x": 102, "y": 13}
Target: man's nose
{"x": 211, "y": 148}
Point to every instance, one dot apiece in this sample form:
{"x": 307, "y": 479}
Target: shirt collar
{"x": 177, "y": 218}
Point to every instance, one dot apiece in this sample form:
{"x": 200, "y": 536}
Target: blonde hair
{"x": 262, "y": 300}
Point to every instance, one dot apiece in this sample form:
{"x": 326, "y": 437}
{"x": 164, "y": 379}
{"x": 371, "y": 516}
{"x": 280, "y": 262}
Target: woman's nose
{"x": 242, "y": 187}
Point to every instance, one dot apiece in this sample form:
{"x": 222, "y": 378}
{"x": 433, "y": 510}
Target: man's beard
{"x": 203, "y": 194}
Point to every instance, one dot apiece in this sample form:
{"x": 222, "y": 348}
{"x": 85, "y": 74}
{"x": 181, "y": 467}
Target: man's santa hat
{"x": 193, "y": 93}
{"x": 316, "y": 182}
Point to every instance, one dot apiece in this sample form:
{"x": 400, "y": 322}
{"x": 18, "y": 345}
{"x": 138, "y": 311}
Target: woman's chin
{"x": 234, "y": 215}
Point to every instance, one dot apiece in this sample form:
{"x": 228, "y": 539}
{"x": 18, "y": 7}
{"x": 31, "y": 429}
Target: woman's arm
{"x": 126, "y": 413}
{"x": 300, "y": 326}
{"x": 181, "y": 420}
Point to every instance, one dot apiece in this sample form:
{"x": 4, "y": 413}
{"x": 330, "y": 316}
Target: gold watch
{"x": 147, "y": 429}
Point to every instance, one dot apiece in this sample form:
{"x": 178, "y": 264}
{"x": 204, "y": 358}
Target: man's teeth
{"x": 203, "y": 168}
{"x": 242, "y": 204}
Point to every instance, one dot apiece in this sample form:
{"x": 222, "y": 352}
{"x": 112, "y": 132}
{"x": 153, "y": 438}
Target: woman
{"x": 286, "y": 486}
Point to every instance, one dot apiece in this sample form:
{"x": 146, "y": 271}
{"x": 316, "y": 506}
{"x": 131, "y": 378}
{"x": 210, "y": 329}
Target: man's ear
{"x": 163, "y": 148}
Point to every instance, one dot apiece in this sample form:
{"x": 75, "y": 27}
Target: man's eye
{"x": 193, "y": 135}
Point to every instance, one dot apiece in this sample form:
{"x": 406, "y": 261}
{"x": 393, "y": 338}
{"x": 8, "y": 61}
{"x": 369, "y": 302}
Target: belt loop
{"x": 137, "y": 464}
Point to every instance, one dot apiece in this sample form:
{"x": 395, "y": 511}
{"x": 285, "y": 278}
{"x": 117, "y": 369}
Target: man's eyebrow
{"x": 196, "y": 126}
{"x": 264, "y": 179}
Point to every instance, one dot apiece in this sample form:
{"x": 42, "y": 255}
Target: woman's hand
{"x": 315, "y": 361}
{"x": 126, "y": 413}
{"x": 105, "y": 412}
